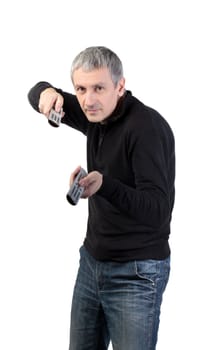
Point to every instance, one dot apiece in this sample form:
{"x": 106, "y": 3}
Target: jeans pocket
{"x": 147, "y": 270}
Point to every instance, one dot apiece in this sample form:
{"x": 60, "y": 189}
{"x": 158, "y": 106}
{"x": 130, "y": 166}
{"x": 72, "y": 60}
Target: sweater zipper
{"x": 101, "y": 136}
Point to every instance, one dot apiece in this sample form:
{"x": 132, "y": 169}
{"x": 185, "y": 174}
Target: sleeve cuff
{"x": 108, "y": 188}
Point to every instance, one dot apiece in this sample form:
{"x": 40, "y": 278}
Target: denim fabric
{"x": 117, "y": 302}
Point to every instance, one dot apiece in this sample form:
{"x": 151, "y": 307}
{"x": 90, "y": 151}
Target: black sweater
{"x": 129, "y": 217}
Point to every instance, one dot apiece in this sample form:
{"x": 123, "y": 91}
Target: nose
{"x": 89, "y": 98}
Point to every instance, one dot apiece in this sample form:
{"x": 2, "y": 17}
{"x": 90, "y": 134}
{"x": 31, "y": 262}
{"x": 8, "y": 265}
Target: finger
{"x": 86, "y": 193}
{"x": 73, "y": 175}
{"x": 59, "y": 103}
{"x": 86, "y": 181}
{"x": 45, "y": 107}
{"x": 41, "y": 108}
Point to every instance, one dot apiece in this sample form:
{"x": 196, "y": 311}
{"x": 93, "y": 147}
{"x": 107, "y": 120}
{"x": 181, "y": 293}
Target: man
{"x": 125, "y": 258}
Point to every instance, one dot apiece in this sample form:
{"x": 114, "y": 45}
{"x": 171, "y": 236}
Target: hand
{"x": 50, "y": 98}
{"x": 92, "y": 183}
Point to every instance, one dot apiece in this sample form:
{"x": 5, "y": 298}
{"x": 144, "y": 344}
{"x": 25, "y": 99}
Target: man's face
{"x": 96, "y": 93}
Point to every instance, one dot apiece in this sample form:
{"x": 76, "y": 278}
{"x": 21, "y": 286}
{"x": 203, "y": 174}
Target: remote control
{"x": 76, "y": 190}
{"x": 54, "y": 118}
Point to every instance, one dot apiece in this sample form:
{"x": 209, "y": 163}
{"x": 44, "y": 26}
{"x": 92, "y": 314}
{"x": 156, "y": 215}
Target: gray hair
{"x": 97, "y": 57}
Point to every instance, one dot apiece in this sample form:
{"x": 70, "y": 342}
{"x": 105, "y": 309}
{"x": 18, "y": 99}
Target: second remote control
{"x": 76, "y": 190}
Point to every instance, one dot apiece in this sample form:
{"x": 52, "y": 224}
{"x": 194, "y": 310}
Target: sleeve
{"x": 149, "y": 201}
{"x": 74, "y": 117}
{"x": 35, "y": 92}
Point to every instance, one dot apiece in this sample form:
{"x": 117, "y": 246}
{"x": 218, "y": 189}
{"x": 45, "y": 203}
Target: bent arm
{"x": 74, "y": 116}
{"x": 151, "y": 200}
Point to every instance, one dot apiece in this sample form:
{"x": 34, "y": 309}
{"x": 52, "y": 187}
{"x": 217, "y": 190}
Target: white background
{"x": 171, "y": 52}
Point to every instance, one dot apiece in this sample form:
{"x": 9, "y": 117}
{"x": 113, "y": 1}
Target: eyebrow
{"x": 93, "y": 86}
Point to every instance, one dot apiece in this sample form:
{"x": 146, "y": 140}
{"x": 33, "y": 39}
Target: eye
{"x": 80, "y": 89}
{"x": 99, "y": 88}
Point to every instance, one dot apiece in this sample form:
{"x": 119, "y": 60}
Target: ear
{"x": 121, "y": 87}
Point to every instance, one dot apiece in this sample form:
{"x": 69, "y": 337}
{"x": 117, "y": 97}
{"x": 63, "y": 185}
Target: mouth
{"x": 92, "y": 111}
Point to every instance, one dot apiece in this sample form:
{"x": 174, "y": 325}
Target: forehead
{"x": 93, "y": 77}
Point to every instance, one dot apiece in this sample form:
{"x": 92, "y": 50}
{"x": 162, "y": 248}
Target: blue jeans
{"x": 118, "y": 302}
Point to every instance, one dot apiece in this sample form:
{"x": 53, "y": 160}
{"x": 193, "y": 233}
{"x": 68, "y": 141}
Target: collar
{"x": 120, "y": 109}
